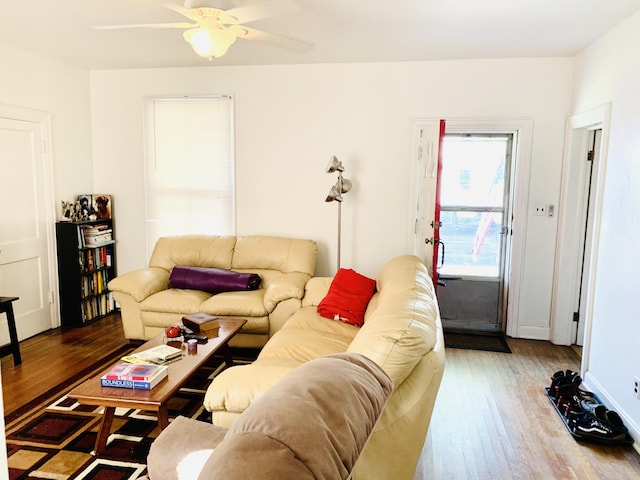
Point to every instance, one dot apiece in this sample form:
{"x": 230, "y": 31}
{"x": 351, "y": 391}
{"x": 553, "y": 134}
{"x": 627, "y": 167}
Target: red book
{"x": 130, "y": 371}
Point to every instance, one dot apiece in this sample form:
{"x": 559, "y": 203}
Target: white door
{"x": 586, "y": 237}
{"x": 427, "y": 216}
{"x": 475, "y": 214}
{"x": 25, "y": 233}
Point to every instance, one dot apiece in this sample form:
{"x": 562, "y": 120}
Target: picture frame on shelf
{"x": 102, "y": 206}
{"x": 85, "y": 208}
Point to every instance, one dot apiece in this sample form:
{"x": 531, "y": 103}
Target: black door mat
{"x": 602, "y": 441}
{"x": 489, "y": 342}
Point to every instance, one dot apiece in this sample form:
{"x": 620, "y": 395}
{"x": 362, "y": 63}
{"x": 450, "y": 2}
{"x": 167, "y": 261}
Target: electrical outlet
{"x": 540, "y": 210}
{"x": 636, "y": 387}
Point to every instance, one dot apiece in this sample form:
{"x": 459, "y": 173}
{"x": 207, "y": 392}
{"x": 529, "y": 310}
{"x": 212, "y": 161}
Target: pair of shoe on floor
{"x": 586, "y": 417}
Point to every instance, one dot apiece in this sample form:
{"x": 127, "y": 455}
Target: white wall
{"x": 609, "y": 71}
{"x": 38, "y": 83}
{"x": 291, "y": 119}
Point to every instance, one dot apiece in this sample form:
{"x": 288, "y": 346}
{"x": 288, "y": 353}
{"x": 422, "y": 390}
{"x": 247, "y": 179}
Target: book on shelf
{"x": 93, "y": 235}
{"x": 95, "y": 240}
{"x": 158, "y": 355}
{"x": 129, "y": 371}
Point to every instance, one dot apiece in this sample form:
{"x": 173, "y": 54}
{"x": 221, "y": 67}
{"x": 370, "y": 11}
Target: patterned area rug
{"x": 53, "y": 436}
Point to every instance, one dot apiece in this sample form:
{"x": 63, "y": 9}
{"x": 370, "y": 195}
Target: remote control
{"x": 199, "y": 338}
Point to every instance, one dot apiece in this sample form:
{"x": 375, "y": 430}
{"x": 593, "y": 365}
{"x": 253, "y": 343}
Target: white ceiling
{"x": 341, "y": 30}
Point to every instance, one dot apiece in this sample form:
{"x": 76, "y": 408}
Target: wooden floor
{"x": 491, "y": 420}
{"x": 49, "y": 358}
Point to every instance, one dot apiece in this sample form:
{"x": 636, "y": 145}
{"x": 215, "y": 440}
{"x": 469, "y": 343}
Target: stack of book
{"x": 94, "y": 235}
{"x": 129, "y": 375}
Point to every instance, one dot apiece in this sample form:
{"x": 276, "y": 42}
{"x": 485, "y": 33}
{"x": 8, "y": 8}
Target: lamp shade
{"x": 209, "y": 42}
{"x": 334, "y": 165}
{"x": 345, "y": 185}
{"x": 334, "y": 194}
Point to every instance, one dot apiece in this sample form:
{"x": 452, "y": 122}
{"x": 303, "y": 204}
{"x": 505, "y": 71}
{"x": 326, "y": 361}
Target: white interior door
{"x": 24, "y": 236}
{"x": 586, "y": 237}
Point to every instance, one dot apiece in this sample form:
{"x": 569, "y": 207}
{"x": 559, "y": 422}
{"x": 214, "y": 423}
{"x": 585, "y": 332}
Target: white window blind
{"x": 189, "y": 167}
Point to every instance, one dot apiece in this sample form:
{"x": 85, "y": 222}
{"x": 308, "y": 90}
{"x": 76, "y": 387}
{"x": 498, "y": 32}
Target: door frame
{"x": 43, "y": 119}
{"x": 521, "y": 165}
{"x": 572, "y": 191}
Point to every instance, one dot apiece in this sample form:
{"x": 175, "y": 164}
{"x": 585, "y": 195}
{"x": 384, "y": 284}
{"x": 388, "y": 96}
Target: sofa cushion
{"x": 196, "y": 250}
{"x": 275, "y": 253}
{"x": 212, "y": 280}
{"x": 302, "y": 345}
{"x": 348, "y": 297}
{"x": 175, "y": 300}
{"x": 308, "y": 318}
{"x": 236, "y": 304}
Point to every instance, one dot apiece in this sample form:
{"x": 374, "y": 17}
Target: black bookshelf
{"x": 84, "y": 270}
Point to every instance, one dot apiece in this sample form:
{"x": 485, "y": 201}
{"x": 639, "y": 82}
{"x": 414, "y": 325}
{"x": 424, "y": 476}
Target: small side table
{"x": 7, "y": 307}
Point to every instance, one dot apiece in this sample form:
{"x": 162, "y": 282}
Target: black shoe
{"x": 600, "y": 424}
{"x": 564, "y": 386}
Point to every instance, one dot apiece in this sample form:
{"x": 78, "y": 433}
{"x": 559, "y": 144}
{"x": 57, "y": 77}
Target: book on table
{"x": 201, "y": 322}
{"x": 127, "y": 375}
{"x": 156, "y": 355}
{"x": 130, "y": 371}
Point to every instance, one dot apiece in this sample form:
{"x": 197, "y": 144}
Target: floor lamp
{"x": 341, "y": 186}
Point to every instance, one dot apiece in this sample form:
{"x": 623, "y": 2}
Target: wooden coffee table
{"x": 156, "y": 399}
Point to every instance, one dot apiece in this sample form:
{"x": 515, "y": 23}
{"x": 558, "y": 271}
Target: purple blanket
{"x": 212, "y": 280}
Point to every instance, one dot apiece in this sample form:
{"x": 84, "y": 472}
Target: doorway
{"x": 26, "y": 237}
{"x": 579, "y": 227}
{"x": 475, "y": 200}
{"x": 584, "y": 250}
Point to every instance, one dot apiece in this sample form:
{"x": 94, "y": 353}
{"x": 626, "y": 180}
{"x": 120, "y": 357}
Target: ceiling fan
{"x": 214, "y": 30}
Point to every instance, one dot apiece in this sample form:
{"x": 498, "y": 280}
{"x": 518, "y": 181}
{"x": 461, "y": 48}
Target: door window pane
{"x": 472, "y": 243}
{"x": 473, "y": 173}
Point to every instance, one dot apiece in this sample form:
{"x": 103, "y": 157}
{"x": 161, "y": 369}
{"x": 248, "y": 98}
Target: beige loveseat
{"x": 284, "y": 265}
{"x": 402, "y": 333}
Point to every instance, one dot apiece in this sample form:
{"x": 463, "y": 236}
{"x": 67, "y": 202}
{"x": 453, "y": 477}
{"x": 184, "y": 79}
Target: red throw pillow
{"x": 348, "y": 297}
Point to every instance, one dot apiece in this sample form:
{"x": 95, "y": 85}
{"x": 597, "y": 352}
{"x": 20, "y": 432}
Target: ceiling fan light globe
{"x": 209, "y": 43}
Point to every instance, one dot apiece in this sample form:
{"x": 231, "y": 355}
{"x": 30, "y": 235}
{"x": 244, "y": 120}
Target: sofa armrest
{"x": 182, "y": 449}
{"x": 315, "y": 290}
{"x": 141, "y": 283}
{"x": 235, "y": 388}
{"x": 286, "y": 286}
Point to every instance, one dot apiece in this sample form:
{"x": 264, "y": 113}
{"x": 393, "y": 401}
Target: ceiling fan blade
{"x": 288, "y": 43}
{"x": 147, "y": 25}
{"x": 220, "y": 4}
{"x": 259, "y": 10}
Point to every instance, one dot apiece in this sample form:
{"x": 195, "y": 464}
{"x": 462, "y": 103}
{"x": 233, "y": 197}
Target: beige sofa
{"x": 148, "y": 304}
{"x": 402, "y": 333}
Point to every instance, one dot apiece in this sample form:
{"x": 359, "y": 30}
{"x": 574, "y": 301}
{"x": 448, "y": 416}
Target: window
{"x": 189, "y": 167}
{"x": 474, "y": 199}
